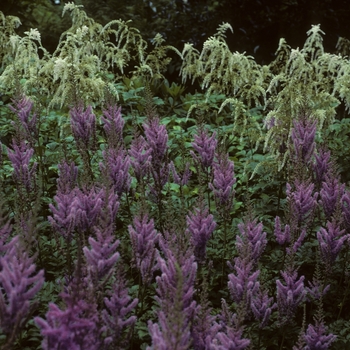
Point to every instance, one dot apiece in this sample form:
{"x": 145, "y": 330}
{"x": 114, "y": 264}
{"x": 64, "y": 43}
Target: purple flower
{"x": 157, "y": 139}
{"x": 252, "y": 238}
{"x": 141, "y": 157}
{"x": 331, "y": 241}
{"x": 243, "y": 283}
{"x": 322, "y": 165}
{"x": 67, "y": 179}
{"x": 117, "y": 164}
{"x": 22, "y": 108}
{"x": 143, "y": 239}
{"x": 290, "y": 295}
{"x": 19, "y": 283}
{"x": 315, "y": 290}
{"x": 201, "y": 225}
{"x": 331, "y": 194}
{"x": 113, "y": 125}
{"x": 74, "y": 328}
{"x": 205, "y": 146}
{"x": 177, "y": 307}
{"x": 20, "y": 158}
{"x": 261, "y": 307}
{"x": 223, "y": 182}
{"x": 182, "y": 181}
{"x": 303, "y": 138}
{"x": 282, "y": 237}
{"x": 83, "y": 124}
{"x": 116, "y": 315}
{"x": 301, "y": 200}
{"x": 231, "y": 340}
{"x": 316, "y": 338}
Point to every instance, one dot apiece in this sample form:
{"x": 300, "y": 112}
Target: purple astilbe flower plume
{"x": 322, "y": 165}
{"x": 67, "y": 179}
{"x": 20, "y": 158}
{"x": 83, "y": 124}
{"x": 331, "y": 194}
{"x": 331, "y": 241}
{"x": 140, "y": 157}
{"x": 22, "y": 108}
{"x": 290, "y": 295}
{"x": 302, "y": 201}
{"x": 64, "y": 215}
{"x": 282, "y": 237}
{"x": 144, "y": 239}
{"x": 181, "y": 180}
{"x": 262, "y": 306}
{"x": 157, "y": 139}
{"x": 75, "y": 327}
{"x": 201, "y": 225}
{"x": 303, "y": 138}
{"x": 113, "y": 125}
{"x": 116, "y": 166}
{"x": 316, "y": 338}
{"x": 316, "y": 290}
{"x": 177, "y": 307}
{"x": 244, "y": 282}
{"x": 223, "y": 182}
{"x": 116, "y": 316}
{"x": 252, "y": 238}
{"x": 19, "y": 283}
{"x": 297, "y": 244}
{"x": 205, "y": 146}
{"x": 88, "y": 206}
{"x": 345, "y": 201}
{"x": 230, "y": 340}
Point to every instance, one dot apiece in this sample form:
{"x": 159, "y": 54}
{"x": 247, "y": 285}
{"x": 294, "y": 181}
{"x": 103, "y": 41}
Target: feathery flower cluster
{"x": 322, "y": 165}
{"x": 205, "y": 146}
{"x": 20, "y": 158}
{"x": 230, "y": 340}
{"x": 141, "y": 157}
{"x": 331, "y": 241}
{"x": 331, "y": 194}
{"x": 113, "y": 125}
{"x": 262, "y": 306}
{"x": 252, "y": 238}
{"x": 116, "y": 165}
{"x": 143, "y": 239}
{"x": 19, "y": 283}
{"x": 223, "y": 182}
{"x": 303, "y": 138}
{"x": 316, "y": 338}
{"x": 282, "y": 237}
{"x": 201, "y": 225}
{"x": 183, "y": 180}
{"x": 83, "y": 124}
{"x": 290, "y": 295}
{"x": 177, "y": 307}
{"x": 67, "y": 179}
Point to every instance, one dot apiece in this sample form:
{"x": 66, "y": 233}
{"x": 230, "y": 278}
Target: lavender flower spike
{"x": 289, "y": 296}
{"x": 140, "y": 157}
{"x": 282, "y": 237}
{"x": 201, "y": 225}
{"x": 231, "y": 340}
{"x": 205, "y": 146}
{"x": 331, "y": 194}
{"x": 113, "y": 125}
{"x": 19, "y": 283}
{"x": 316, "y": 339}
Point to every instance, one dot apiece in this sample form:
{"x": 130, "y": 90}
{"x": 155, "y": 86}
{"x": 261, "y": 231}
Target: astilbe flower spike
{"x": 116, "y": 166}
{"x": 322, "y": 165}
{"x": 253, "y": 238}
{"x": 282, "y": 237}
{"x": 144, "y": 239}
{"x": 141, "y": 157}
{"x": 222, "y": 185}
{"x": 68, "y": 175}
{"x": 316, "y": 338}
{"x": 83, "y": 124}
{"x": 290, "y": 295}
{"x": 201, "y": 225}
{"x": 205, "y": 146}
{"x": 113, "y": 125}
{"x": 303, "y": 138}
{"x": 19, "y": 283}
{"x": 331, "y": 194}
{"x": 177, "y": 308}
{"x": 331, "y": 241}
{"x": 20, "y": 158}
{"x": 230, "y": 340}
{"x": 180, "y": 180}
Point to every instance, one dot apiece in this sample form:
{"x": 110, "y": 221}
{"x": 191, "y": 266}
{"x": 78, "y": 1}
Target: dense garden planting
{"x": 137, "y": 213}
